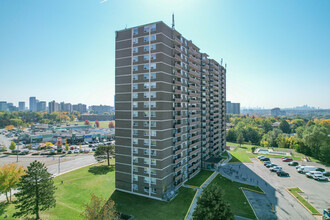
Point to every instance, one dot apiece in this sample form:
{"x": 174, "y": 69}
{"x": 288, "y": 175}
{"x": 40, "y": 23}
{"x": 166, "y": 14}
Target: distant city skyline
{"x": 277, "y": 51}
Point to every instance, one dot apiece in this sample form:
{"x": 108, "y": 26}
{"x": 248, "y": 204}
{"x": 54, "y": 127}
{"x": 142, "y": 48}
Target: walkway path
{"x": 200, "y": 190}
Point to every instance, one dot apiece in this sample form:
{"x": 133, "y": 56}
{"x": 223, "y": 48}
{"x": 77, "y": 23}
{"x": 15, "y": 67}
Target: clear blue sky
{"x": 277, "y": 51}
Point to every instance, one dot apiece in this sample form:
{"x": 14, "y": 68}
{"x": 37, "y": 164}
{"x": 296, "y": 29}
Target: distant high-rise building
{"x": 65, "y": 107}
{"x": 21, "y": 106}
{"x": 3, "y": 106}
{"x": 33, "y": 104}
{"x": 100, "y": 109}
{"x": 277, "y": 112}
{"x": 170, "y": 110}
{"x": 53, "y": 107}
{"x": 233, "y": 108}
{"x": 82, "y": 108}
{"x": 41, "y": 106}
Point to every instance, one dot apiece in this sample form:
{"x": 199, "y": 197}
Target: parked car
{"x": 306, "y": 169}
{"x": 270, "y": 165}
{"x": 299, "y": 166}
{"x": 81, "y": 151}
{"x": 76, "y": 151}
{"x": 326, "y": 173}
{"x": 287, "y": 159}
{"x": 265, "y": 159}
{"x": 93, "y": 149}
{"x": 275, "y": 168}
{"x": 86, "y": 151}
{"x": 70, "y": 152}
{"x": 282, "y": 173}
{"x": 91, "y": 145}
{"x": 15, "y": 151}
{"x": 320, "y": 178}
{"x": 267, "y": 162}
{"x": 293, "y": 163}
{"x": 320, "y": 169}
{"x": 25, "y": 152}
{"x": 261, "y": 156}
{"x": 312, "y": 173}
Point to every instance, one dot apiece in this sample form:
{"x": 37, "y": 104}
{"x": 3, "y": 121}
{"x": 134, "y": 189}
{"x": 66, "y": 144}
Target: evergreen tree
{"x": 35, "y": 191}
{"x": 211, "y": 206}
{"x": 103, "y": 152}
{"x": 284, "y": 126}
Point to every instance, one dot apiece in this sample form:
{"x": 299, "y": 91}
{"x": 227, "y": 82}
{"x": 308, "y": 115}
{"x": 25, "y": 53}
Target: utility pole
{"x": 59, "y": 165}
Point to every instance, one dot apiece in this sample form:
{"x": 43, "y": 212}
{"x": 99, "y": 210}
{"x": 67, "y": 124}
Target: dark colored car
{"x": 282, "y": 173}
{"x": 326, "y": 173}
{"x": 265, "y": 159}
{"x": 293, "y": 163}
{"x": 320, "y": 169}
{"x": 270, "y": 165}
{"x": 287, "y": 159}
{"x": 267, "y": 162}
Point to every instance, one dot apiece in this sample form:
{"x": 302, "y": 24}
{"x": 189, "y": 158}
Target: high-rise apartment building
{"x": 233, "y": 108}
{"x": 41, "y": 106}
{"x": 33, "y": 104}
{"x": 100, "y": 109}
{"x": 82, "y": 108}
{"x": 3, "y": 106}
{"x": 21, "y": 106}
{"x": 53, "y": 107}
{"x": 170, "y": 110}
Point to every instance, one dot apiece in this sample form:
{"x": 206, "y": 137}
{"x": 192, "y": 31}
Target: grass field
{"x": 243, "y": 153}
{"x": 200, "y": 178}
{"x": 103, "y": 124}
{"x": 235, "y": 197}
{"x": 295, "y": 192}
{"x": 74, "y": 193}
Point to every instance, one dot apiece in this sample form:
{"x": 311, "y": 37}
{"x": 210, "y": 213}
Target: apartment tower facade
{"x": 170, "y": 110}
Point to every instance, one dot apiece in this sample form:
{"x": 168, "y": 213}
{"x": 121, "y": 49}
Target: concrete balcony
{"x": 178, "y": 134}
{"x": 177, "y": 57}
{"x": 194, "y": 66}
{"x": 198, "y": 150}
{"x": 194, "y": 59}
{"x": 177, "y": 151}
{"x": 177, "y": 108}
{"x": 197, "y": 137}
{"x": 194, "y": 159}
{"x": 177, "y": 169}
{"x": 177, "y": 160}
{"x": 177, "y": 49}
{"x": 178, "y": 177}
{"x": 194, "y": 73}
{"x": 177, "y": 41}
{"x": 194, "y": 166}
{"x": 194, "y": 108}
{"x": 194, "y": 80}
{"x": 177, "y": 66}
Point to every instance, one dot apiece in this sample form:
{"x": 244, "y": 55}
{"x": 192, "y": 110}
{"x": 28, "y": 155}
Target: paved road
{"x": 286, "y": 207}
{"x": 71, "y": 163}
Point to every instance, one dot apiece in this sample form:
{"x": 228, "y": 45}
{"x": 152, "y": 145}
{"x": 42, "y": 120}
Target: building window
{"x": 153, "y": 153}
{"x": 146, "y": 114}
{"x": 146, "y": 161}
{"x": 146, "y": 133}
{"x": 146, "y": 95}
{"x": 135, "y": 132}
{"x": 153, "y": 172}
{"x": 153, "y": 191}
{"x": 146, "y": 85}
{"x": 153, "y": 114}
{"x": 135, "y": 150}
{"x": 153, "y": 47}
{"x": 153, "y": 142}
{"x": 146, "y": 151}
{"x": 152, "y": 37}
{"x": 146, "y": 57}
{"x": 146, "y": 48}
{"x": 146, "y": 66}
{"x": 146, "y": 189}
{"x": 135, "y": 104}
{"x": 152, "y": 94}
{"x": 136, "y": 188}
{"x": 153, "y": 162}
{"x": 135, "y": 31}
{"x": 135, "y": 160}
{"x": 135, "y": 59}
{"x": 135, "y": 50}
{"x": 146, "y": 104}
{"x": 135, "y": 77}
{"x": 146, "y": 76}
{"x": 153, "y": 180}
{"x": 146, "y": 39}
{"x": 135, "y": 123}
{"x": 135, "y": 40}
{"x": 153, "y": 85}
{"x": 153, "y": 104}
{"x": 153, "y": 76}
{"x": 153, "y": 66}
{"x": 153, "y": 124}
{"x": 153, "y": 133}
{"x": 135, "y": 141}
{"x": 135, "y": 68}
{"x": 135, "y": 86}
{"x": 146, "y": 142}
{"x": 135, "y": 95}
{"x": 153, "y": 27}
{"x": 146, "y": 124}
{"x": 146, "y": 29}
{"x": 153, "y": 56}
{"x": 135, "y": 114}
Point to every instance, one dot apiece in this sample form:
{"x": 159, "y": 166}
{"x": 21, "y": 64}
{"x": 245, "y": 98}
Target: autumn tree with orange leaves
{"x": 10, "y": 175}
{"x": 111, "y": 124}
{"x": 100, "y": 209}
{"x": 97, "y": 123}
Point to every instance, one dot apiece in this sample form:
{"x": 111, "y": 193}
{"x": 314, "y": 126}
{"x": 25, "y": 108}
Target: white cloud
{"x": 103, "y": 1}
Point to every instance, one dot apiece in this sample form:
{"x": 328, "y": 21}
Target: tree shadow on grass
{"x": 243, "y": 147}
{"x": 3, "y": 206}
{"x": 101, "y": 170}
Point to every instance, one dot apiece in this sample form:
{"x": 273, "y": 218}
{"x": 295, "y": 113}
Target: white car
{"x": 312, "y": 173}
{"x": 319, "y": 177}
{"x": 76, "y": 151}
{"x": 275, "y": 168}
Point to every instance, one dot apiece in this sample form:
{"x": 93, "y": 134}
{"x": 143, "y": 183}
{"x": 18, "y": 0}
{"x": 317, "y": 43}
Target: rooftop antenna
{"x": 173, "y": 24}
{"x": 221, "y": 61}
{"x": 226, "y": 65}
{"x": 126, "y": 26}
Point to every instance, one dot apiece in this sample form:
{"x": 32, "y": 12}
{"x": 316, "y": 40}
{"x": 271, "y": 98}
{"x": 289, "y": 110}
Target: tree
{"x": 10, "y": 175}
{"x": 284, "y": 126}
{"x": 240, "y": 139}
{"x": 103, "y": 152}
{"x": 111, "y": 124}
{"x": 9, "y": 127}
{"x": 87, "y": 122}
{"x": 12, "y": 145}
{"x": 266, "y": 125}
{"x": 100, "y": 209}
{"x": 231, "y": 135}
{"x": 35, "y": 191}
{"x": 314, "y": 137}
{"x": 97, "y": 123}
{"x": 211, "y": 205}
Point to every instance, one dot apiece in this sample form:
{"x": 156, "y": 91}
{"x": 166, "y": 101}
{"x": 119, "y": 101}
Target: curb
{"x": 190, "y": 205}
{"x": 263, "y": 193}
{"x": 287, "y": 189}
{"x": 55, "y": 175}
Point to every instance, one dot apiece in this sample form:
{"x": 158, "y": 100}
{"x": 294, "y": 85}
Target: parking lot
{"x": 285, "y": 206}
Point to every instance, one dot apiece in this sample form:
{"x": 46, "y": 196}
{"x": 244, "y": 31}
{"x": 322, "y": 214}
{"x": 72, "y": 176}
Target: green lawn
{"x": 295, "y": 192}
{"x": 200, "y": 178}
{"x": 145, "y": 208}
{"x": 243, "y": 153}
{"x": 235, "y": 197}
{"x": 74, "y": 193}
